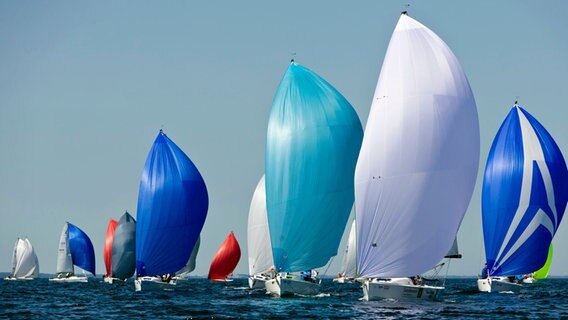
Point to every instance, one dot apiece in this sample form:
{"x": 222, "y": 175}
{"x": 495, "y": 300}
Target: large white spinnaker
{"x": 418, "y": 163}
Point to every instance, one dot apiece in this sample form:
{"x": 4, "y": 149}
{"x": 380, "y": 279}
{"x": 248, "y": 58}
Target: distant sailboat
{"x": 348, "y": 271}
{"x": 524, "y": 195}
{"x": 25, "y": 265}
{"x": 454, "y": 252}
{"x": 172, "y": 207}
{"x": 225, "y": 259}
{"x": 75, "y": 249}
{"x": 183, "y": 274}
{"x": 259, "y": 249}
{"x": 123, "y": 250}
{"x": 417, "y": 167}
{"x": 313, "y": 140}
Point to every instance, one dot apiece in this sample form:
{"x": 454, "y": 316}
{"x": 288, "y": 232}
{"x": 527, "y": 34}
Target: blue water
{"x": 200, "y": 299}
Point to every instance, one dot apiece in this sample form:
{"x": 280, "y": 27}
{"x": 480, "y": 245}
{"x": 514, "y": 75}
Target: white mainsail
{"x": 64, "y": 259}
{"x": 419, "y": 159}
{"x": 258, "y": 242}
{"x": 190, "y": 266}
{"x": 349, "y": 265}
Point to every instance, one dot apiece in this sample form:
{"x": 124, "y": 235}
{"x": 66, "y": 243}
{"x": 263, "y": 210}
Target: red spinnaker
{"x": 225, "y": 259}
{"x": 108, "y": 245}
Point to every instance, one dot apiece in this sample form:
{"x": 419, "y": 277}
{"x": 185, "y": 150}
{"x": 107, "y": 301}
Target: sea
{"x": 197, "y": 298}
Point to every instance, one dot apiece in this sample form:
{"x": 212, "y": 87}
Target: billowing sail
{"x": 419, "y": 159}
{"x": 349, "y": 265}
{"x": 124, "y": 247}
{"x": 107, "y": 253}
{"x": 542, "y": 273}
{"x": 190, "y": 266}
{"x": 24, "y": 262}
{"x": 525, "y": 189}
{"x": 81, "y": 249}
{"x": 226, "y": 258}
{"x": 259, "y": 249}
{"x": 172, "y": 206}
{"x": 64, "y": 259}
{"x": 313, "y": 140}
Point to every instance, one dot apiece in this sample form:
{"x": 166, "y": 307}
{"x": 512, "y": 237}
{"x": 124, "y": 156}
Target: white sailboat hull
{"x": 290, "y": 285}
{"x": 529, "y": 279}
{"x": 497, "y": 284}
{"x": 344, "y": 280}
{"x": 398, "y": 288}
{"x": 257, "y": 281}
{"x": 111, "y": 280}
{"x": 70, "y": 279}
{"x": 153, "y": 284}
{"x": 17, "y": 279}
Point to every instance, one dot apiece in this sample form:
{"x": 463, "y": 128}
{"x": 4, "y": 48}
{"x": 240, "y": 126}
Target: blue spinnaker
{"x": 524, "y": 195}
{"x": 313, "y": 140}
{"x": 172, "y": 207}
{"x": 81, "y": 248}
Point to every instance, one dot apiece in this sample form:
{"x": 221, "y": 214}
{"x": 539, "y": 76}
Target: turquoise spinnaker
{"x": 313, "y": 140}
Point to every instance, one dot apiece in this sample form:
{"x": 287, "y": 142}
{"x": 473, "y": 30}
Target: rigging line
{"x": 447, "y": 271}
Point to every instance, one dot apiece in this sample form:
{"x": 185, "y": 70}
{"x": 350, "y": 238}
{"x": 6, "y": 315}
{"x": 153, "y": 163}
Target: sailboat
{"x": 258, "y": 242}
{"x": 417, "y": 167}
{"x": 107, "y": 253}
{"x": 313, "y": 139}
{"x": 75, "y": 249}
{"x": 183, "y": 274}
{"x": 172, "y": 207}
{"x": 225, "y": 259}
{"x": 349, "y": 266}
{"x": 25, "y": 265}
{"x": 524, "y": 195}
{"x": 122, "y": 262}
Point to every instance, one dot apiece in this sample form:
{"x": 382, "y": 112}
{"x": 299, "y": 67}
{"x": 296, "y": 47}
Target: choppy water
{"x": 199, "y": 298}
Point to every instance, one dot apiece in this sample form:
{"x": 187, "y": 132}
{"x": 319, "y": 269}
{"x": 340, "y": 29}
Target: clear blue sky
{"x": 86, "y": 85}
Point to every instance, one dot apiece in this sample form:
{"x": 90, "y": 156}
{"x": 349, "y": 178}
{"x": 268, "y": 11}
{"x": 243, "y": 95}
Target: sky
{"x": 85, "y": 86}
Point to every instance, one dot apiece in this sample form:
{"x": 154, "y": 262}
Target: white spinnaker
{"x": 419, "y": 159}
{"x": 258, "y": 242}
{"x": 27, "y": 265}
